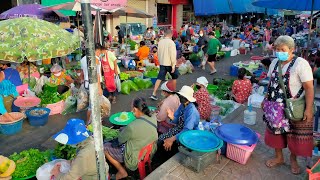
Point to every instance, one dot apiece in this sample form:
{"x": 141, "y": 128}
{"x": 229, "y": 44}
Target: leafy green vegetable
{"x": 49, "y": 97}
{"x": 28, "y": 161}
{"x": 32, "y": 82}
{"x": 151, "y": 74}
{"x": 65, "y": 151}
{"x": 107, "y": 133}
{"x": 193, "y": 57}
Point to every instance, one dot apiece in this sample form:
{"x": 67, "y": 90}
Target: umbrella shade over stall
{"x": 34, "y": 39}
{"x": 31, "y": 10}
{"x": 128, "y": 11}
{"x": 74, "y": 6}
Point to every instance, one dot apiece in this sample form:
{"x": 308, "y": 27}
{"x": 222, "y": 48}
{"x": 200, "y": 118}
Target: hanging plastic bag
{"x": 82, "y": 99}
{"x": 118, "y": 83}
{"x": 44, "y": 172}
{"x": 105, "y": 107}
{"x": 204, "y": 60}
{"x": 40, "y": 83}
{"x": 70, "y": 105}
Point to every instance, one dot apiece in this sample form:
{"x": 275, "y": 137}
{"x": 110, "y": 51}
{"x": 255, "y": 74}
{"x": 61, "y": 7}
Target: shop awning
{"x": 56, "y": 2}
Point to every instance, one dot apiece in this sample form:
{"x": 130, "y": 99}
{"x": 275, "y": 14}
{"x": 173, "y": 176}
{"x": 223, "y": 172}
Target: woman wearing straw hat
{"x": 186, "y": 118}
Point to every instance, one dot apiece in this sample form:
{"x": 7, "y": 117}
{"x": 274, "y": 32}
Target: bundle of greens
{"x": 107, "y": 133}
{"x": 63, "y": 151}
{"x": 28, "y": 161}
{"x": 49, "y": 97}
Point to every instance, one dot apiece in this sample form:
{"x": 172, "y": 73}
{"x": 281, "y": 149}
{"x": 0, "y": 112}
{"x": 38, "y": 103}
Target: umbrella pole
{"x": 310, "y": 28}
{"x": 93, "y": 87}
{"x": 126, "y": 34}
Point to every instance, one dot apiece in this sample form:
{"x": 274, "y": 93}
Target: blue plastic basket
{"x": 10, "y": 129}
{"x": 38, "y": 120}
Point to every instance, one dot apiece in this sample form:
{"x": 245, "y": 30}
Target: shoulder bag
{"x": 294, "y": 108}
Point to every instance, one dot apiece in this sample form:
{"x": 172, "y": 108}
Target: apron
{"x": 274, "y": 115}
{"x": 108, "y": 74}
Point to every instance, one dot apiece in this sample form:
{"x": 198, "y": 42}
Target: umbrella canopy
{"x": 98, "y": 30}
{"x": 34, "y": 39}
{"x": 128, "y": 11}
{"x": 74, "y": 6}
{"x": 298, "y": 5}
{"x": 30, "y": 10}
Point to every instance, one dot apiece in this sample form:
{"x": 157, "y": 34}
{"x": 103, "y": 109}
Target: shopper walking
{"x": 214, "y": 46}
{"x": 167, "y": 54}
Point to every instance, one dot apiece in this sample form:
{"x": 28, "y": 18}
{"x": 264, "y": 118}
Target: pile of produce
{"x": 38, "y": 112}
{"x": 132, "y": 44}
{"x": 224, "y": 88}
{"x": 138, "y": 83}
{"x": 134, "y": 74}
{"x": 143, "y": 83}
{"x": 63, "y": 151}
{"x": 32, "y": 83}
{"x": 152, "y": 68}
{"x": 194, "y": 57}
{"x": 28, "y": 161}
{"x": 226, "y": 108}
{"x": 151, "y": 74}
{"x": 48, "y": 97}
{"x": 124, "y": 76}
{"x": 107, "y": 133}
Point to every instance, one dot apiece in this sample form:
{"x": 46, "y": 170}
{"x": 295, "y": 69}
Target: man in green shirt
{"x": 214, "y": 46}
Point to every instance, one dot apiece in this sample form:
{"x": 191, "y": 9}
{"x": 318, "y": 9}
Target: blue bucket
{"x": 10, "y": 129}
{"x": 38, "y": 120}
{"x": 234, "y": 71}
{"x": 153, "y": 80}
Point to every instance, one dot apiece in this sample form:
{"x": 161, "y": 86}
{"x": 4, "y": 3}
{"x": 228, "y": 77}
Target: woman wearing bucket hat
{"x": 59, "y": 77}
{"x": 203, "y": 98}
{"x": 185, "y": 118}
{"x": 83, "y": 166}
{"x": 170, "y": 102}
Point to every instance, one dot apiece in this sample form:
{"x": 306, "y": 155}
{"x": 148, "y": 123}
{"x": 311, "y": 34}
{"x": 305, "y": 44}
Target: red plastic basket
{"x": 240, "y": 153}
{"x": 56, "y": 108}
{"x": 316, "y": 175}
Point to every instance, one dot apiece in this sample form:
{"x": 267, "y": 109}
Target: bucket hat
{"x": 167, "y": 86}
{"x": 73, "y": 133}
{"x": 203, "y": 81}
{"x": 187, "y": 92}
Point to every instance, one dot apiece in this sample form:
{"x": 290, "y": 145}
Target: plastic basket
{"x": 240, "y": 153}
{"x": 22, "y": 88}
{"x": 243, "y": 51}
{"x": 228, "y": 54}
{"x": 38, "y": 120}
{"x": 12, "y": 127}
{"x": 314, "y": 173}
{"x": 56, "y": 108}
{"x": 212, "y": 88}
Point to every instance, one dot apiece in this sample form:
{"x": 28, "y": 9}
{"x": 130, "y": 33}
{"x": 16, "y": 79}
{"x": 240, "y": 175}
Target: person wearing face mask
{"x": 83, "y": 166}
{"x": 171, "y": 102}
{"x": 148, "y": 37}
{"x": 185, "y": 118}
{"x": 298, "y": 82}
{"x": 132, "y": 139}
{"x": 203, "y": 98}
{"x": 59, "y": 77}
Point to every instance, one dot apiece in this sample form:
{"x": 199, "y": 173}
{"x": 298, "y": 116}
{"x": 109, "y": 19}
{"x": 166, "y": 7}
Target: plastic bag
{"x": 148, "y": 83}
{"x": 118, "y": 83}
{"x": 82, "y": 99}
{"x": 133, "y": 86}
{"x": 125, "y": 88}
{"x": 204, "y": 60}
{"x": 201, "y": 54}
{"x": 70, "y": 105}
{"x": 183, "y": 69}
{"x": 139, "y": 82}
{"x": 40, "y": 83}
{"x": 44, "y": 172}
{"x": 105, "y": 107}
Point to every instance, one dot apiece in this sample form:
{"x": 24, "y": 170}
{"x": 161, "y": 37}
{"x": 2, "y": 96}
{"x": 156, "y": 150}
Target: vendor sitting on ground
{"x": 59, "y": 77}
{"x": 241, "y": 88}
{"x": 7, "y": 94}
{"x": 11, "y": 74}
{"x": 83, "y": 166}
{"x": 132, "y": 139}
{"x": 185, "y": 118}
{"x": 203, "y": 98}
{"x": 143, "y": 53}
{"x": 170, "y": 102}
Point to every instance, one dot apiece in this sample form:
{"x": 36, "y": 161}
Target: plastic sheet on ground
{"x": 44, "y": 172}
{"x": 227, "y": 106}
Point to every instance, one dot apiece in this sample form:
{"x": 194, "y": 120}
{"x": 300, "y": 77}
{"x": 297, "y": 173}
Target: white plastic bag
{"x": 40, "y": 83}
{"x": 44, "y": 172}
{"x": 183, "y": 69}
{"x": 82, "y": 99}
{"x": 118, "y": 83}
{"x": 204, "y": 60}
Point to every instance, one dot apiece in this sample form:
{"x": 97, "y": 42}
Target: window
{"x": 164, "y": 13}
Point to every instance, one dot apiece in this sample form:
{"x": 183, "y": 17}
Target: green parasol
{"x": 34, "y": 39}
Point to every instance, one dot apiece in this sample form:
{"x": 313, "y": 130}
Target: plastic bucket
{"x": 234, "y": 71}
{"x": 38, "y": 120}
{"x": 250, "y": 117}
{"x": 13, "y": 128}
{"x": 227, "y": 54}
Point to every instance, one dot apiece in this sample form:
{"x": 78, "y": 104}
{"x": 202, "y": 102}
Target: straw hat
{"x": 167, "y": 86}
{"x": 203, "y": 81}
{"x": 187, "y": 92}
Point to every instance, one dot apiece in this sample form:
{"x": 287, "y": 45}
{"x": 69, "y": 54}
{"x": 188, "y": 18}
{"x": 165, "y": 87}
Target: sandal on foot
{"x": 272, "y": 163}
{"x": 295, "y": 170}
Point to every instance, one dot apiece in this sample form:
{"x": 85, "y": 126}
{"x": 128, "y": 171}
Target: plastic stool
{"x": 144, "y": 156}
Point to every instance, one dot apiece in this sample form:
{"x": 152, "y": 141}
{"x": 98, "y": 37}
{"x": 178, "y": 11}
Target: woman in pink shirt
{"x": 171, "y": 103}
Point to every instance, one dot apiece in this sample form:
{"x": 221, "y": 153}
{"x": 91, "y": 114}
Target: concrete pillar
{"x": 179, "y": 16}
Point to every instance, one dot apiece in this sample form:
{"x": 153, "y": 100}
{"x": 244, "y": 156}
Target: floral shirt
{"x": 204, "y": 105}
{"x": 241, "y": 89}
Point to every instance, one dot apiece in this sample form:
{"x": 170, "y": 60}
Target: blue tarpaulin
{"x": 298, "y": 5}
{"x": 214, "y": 7}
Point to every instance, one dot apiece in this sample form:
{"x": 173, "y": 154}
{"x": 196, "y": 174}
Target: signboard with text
{"x": 109, "y": 4}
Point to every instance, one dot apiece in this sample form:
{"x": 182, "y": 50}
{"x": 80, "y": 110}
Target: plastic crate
{"x": 56, "y": 108}
{"x": 240, "y": 153}
{"x": 198, "y": 161}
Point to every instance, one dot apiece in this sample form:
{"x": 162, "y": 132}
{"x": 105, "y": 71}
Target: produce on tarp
{"x": 48, "y": 97}
{"x": 224, "y": 88}
{"x": 124, "y": 76}
{"x": 28, "y": 161}
{"x": 63, "y": 151}
{"x": 133, "y": 86}
{"x": 139, "y": 82}
{"x": 107, "y": 133}
{"x": 125, "y": 87}
{"x": 151, "y": 74}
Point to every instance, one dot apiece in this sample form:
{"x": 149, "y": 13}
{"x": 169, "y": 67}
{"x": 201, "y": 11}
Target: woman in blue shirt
{"x": 185, "y": 118}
